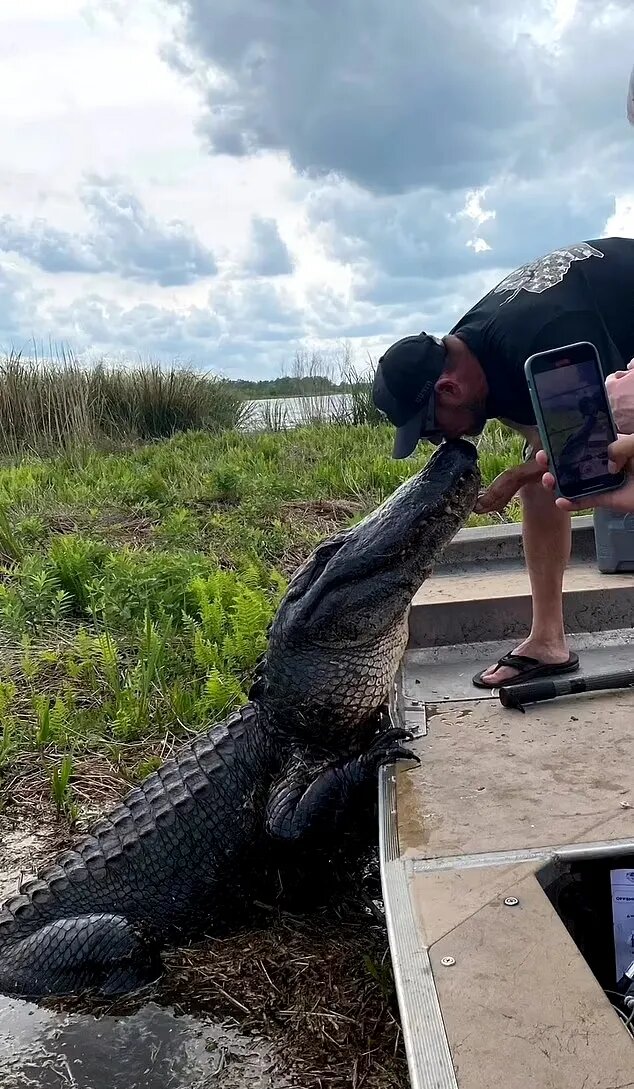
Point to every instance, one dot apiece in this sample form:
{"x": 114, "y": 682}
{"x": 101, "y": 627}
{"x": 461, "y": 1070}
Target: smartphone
{"x": 574, "y": 418}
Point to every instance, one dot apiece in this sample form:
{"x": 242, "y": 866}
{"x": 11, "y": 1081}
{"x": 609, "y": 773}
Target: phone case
{"x": 541, "y": 424}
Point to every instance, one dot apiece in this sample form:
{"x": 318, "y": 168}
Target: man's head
{"x": 430, "y": 388}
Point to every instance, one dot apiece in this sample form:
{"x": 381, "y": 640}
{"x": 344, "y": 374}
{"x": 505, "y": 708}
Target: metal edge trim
{"x": 569, "y": 852}
{"x": 426, "y": 1044}
{"x": 406, "y": 711}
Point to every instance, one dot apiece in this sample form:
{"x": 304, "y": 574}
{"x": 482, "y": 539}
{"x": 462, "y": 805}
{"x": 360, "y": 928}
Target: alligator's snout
{"x": 342, "y": 628}
{"x": 395, "y": 544}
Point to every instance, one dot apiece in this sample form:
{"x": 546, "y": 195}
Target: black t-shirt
{"x": 581, "y": 292}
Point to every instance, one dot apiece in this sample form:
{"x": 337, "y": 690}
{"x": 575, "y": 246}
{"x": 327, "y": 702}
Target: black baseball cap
{"x": 404, "y": 389}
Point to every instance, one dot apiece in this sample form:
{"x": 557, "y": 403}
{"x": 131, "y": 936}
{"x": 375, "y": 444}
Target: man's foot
{"x": 544, "y": 655}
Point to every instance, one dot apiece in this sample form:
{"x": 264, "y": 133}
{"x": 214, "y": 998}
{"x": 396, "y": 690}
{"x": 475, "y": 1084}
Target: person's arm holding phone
{"x": 566, "y": 328}
{"x": 574, "y": 416}
{"x": 620, "y": 389}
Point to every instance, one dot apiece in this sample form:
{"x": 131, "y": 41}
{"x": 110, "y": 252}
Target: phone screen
{"x": 573, "y": 402}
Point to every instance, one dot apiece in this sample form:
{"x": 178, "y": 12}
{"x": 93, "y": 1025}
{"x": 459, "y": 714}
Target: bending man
{"x": 434, "y": 388}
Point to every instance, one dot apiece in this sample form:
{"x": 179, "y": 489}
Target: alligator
{"x": 189, "y": 848}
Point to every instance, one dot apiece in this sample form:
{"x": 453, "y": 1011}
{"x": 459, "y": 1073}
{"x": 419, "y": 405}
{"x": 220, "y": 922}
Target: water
{"x": 287, "y": 412}
{"x": 152, "y": 1049}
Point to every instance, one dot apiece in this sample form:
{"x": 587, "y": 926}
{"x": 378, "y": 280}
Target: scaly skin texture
{"x": 290, "y": 776}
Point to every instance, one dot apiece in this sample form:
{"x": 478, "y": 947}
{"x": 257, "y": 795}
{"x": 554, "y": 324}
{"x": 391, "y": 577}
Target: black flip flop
{"x": 528, "y": 669}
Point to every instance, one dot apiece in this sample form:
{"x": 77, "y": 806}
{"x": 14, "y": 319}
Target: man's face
{"x": 456, "y": 417}
{"x": 461, "y": 394}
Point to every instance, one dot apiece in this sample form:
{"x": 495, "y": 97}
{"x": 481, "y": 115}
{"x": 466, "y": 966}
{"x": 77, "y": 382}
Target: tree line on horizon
{"x": 313, "y": 385}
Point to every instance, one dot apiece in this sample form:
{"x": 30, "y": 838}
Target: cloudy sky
{"x": 226, "y": 182}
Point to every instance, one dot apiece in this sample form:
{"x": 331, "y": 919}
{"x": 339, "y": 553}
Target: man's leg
{"x": 546, "y": 533}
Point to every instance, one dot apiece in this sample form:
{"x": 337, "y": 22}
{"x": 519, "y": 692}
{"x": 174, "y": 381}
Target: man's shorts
{"x": 528, "y": 449}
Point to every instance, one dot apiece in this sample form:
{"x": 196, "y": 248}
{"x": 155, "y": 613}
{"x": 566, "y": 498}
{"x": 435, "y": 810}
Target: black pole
{"x": 517, "y": 695}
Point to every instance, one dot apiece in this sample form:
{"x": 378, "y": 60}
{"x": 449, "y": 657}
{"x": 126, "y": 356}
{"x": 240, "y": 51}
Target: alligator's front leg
{"x": 316, "y": 797}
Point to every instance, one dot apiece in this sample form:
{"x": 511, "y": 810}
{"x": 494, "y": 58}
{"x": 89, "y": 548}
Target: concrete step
{"x": 503, "y": 544}
{"x": 491, "y": 601}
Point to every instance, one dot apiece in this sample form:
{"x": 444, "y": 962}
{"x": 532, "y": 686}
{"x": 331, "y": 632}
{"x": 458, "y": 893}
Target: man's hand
{"x": 498, "y": 495}
{"x": 621, "y": 500}
{"x": 620, "y": 389}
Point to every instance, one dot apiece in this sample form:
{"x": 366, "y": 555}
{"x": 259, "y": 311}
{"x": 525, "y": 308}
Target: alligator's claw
{"x": 395, "y": 733}
{"x": 387, "y": 750}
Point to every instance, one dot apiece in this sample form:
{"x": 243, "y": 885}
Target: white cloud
{"x": 239, "y": 328}
{"x": 123, "y": 239}
{"x": 250, "y": 198}
{"x": 621, "y": 222}
{"x": 269, "y": 254}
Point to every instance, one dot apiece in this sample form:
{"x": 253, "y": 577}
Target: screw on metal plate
{"x": 511, "y": 901}
{"x": 447, "y": 961}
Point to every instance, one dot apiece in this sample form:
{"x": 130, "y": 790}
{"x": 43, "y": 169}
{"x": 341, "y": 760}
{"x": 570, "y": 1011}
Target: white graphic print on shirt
{"x": 544, "y": 272}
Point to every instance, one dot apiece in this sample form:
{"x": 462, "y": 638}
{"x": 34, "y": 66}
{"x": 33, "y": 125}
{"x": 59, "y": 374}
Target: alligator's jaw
{"x": 341, "y": 630}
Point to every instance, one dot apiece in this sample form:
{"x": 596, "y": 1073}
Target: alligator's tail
{"x": 103, "y": 954}
{"x": 72, "y": 928}
{"x": 67, "y": 930}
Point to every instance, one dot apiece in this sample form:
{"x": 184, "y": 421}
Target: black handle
{"x": 517, "y": 695}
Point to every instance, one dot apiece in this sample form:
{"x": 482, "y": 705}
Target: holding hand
{"x": 620, "y": 390}
{"x": 622, "y": 500}
{"x": 494, "y": 499}
{"x": 500, "y": 492}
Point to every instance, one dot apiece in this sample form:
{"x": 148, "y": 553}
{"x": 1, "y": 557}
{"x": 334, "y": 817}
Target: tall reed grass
{"x": 52, "y": 404}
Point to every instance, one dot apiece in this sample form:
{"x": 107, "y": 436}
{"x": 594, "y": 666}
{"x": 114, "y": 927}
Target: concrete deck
{"x": 480, "y": 591}
{"x": 486, "y": 602}
{"x": 520, "y": 1005}
{"x": 485, "y": 582}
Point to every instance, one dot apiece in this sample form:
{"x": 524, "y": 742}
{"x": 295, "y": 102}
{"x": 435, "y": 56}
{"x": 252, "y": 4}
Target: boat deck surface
{"x": 493, "y": 990}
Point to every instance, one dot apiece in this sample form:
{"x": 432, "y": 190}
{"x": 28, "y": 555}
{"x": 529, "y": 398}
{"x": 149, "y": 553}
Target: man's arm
{"x": 499, "y": 493}
{"x": 569, "y": 327}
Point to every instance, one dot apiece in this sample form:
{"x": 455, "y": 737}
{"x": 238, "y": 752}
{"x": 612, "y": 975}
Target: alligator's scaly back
{"x": 295, "y": 764}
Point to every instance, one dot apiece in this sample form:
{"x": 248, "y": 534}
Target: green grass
{"x": 136, "y": 585}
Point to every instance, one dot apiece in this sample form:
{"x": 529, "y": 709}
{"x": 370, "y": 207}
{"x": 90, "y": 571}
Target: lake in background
{"x": 286, "y": 412}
